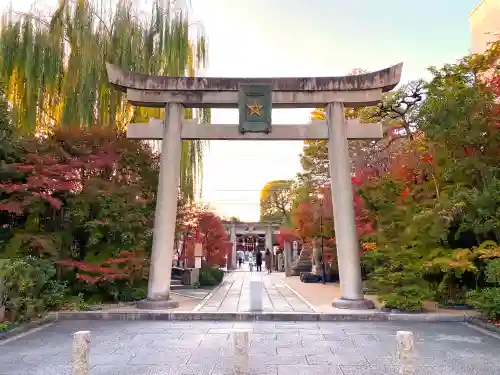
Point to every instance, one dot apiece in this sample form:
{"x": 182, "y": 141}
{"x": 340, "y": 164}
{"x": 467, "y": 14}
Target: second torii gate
{"x": 255, "y": 97}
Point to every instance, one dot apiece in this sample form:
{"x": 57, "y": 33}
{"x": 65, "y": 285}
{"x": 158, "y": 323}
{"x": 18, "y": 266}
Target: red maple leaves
{"x": 428, "y": 158}
{"x": 49, "y": 170}
{"x": 205, "y": 227}
{"x": 128, "y": 266}
{"x": 306, "y": 216}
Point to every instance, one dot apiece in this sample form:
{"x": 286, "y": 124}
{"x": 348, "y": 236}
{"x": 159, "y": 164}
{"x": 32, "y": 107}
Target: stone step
{"x": 177, "y": 285}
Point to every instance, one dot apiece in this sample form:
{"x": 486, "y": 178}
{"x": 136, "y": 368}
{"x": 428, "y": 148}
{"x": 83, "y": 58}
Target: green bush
{"x": 406, "y": 298}
{"x": 128, "y": 293}
{"x": 493, "y": 272}
{"x": 29, "y": 287}
{"x": 210, "y": 276}
{"x": 486, "y": 301}
{"x": 400, "y": 282}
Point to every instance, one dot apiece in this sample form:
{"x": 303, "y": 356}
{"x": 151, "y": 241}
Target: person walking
{"x": 269, "y": 261}
{"x": 250, "y": 261}
{"x": 240, "y": 258}
{"x": 258, "y": 260}
{"x": 323, "y": 268}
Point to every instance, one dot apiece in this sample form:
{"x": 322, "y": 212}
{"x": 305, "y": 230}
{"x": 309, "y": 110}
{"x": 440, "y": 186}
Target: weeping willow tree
{"x": 55, "y": 73}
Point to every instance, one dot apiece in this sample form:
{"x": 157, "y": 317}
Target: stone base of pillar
{"x": 147, "y": 304}
{"x": 353, "y": 304}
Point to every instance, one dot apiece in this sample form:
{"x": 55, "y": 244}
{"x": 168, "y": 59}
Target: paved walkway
{"x": 206, "y": 348}
{"x": 234, "y": 294}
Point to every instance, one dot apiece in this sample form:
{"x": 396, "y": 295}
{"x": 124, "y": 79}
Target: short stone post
{"x": 256, "y": 295}
{"x": 241, "y": 358}
{"x": 405, "y": 351}
{"x": 81, "y": 347}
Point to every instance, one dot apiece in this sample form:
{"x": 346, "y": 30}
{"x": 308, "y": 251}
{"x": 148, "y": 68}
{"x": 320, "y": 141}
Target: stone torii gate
{"x": 255, "y": 97}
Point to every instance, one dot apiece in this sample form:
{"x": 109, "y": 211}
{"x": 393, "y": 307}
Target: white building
{"x": 484, "y": 23}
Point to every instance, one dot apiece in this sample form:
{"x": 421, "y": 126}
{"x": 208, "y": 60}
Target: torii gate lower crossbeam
{"x": 333, "y": 93}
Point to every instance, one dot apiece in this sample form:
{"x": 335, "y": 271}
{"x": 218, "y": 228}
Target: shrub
{"x": 400, "y": 282}
{"x": 486, "y": 301}
{"x": 493, "y": 272}
{"x": 30, "y": 287}
{"x": 210, "y": 276}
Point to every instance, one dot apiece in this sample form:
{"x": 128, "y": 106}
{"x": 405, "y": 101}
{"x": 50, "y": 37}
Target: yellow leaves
{"x": 264, "y": 194}
{"x": 461, "y": 260}
{"x": 487, "y": 250}
{"x": 463, "y": 254}
{"x": 12, "y": 94}
{"x": 369, "y": 246}
{"x": 318, "y": 114}
{"x": 191, "y": 69}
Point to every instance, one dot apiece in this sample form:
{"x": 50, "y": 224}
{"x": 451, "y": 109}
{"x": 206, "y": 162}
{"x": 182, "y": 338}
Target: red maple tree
{"x": 38, "y": 179}
{"x": 285, "y": 235}
{"x": 202, "y": 226}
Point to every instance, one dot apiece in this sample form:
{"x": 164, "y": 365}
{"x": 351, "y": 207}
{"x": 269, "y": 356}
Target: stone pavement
{"x": 234, "y": 294}
{"x": 206, "y": 348}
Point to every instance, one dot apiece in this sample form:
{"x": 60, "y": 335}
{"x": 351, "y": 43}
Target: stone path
{"x": 206, "y": 348}
{"x": 194, "y": 293}
{"x": 234, "y": 294}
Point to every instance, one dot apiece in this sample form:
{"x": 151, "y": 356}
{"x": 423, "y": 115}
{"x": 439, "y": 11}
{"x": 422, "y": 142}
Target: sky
{"x": 311, "y": 38}
{"x": 304, "y": 38}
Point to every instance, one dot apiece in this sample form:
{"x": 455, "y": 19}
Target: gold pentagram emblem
{"x": 254, "y": 109}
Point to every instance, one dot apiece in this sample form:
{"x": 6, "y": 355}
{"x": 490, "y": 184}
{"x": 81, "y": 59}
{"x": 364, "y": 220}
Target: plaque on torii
{"x": 255, "y": 108}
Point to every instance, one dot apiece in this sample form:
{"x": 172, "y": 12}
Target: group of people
{"x": 256, "y": 259}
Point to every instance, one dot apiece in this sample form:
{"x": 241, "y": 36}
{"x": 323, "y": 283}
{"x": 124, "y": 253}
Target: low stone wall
{"x": 187, "y": 276}
{"x": 256, "y": 316}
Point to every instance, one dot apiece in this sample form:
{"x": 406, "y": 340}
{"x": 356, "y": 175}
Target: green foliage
{"x": 493, "y": 272}
{"x": 54, "y": 67}
{"x": 437, "y": 208}
{"x": 486, "y": 301}
{"x": 398, "y": 278}
{"x": 30, "y": 287}
{"x": 100, "y": 206}
{"x": 210, "y": 276}
{"x": 77, "y": 302}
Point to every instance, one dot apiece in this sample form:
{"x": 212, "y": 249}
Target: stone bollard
{"x": 255, "y": 295}
{"x": 241, "y": 358}
{"x": 405, "y": 351}
{"x": 81, "y": 347}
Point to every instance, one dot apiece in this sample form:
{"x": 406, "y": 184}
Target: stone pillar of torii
{"x": 255, "y": 97}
